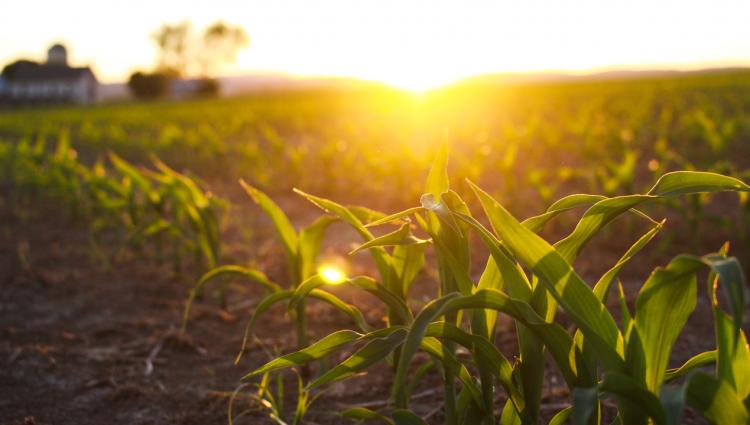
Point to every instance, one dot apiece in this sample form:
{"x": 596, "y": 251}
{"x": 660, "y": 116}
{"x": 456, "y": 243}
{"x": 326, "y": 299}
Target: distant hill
{"x": 530, "y": 78}
{"x": 253, "y": 83}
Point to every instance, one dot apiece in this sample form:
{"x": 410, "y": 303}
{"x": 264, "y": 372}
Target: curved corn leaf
{"x": 402, "y": 236}
{"x": 561, "y": 416}
{"x": 267, "y": 302}
{"x": 374, "y": 351}
{"x": 399, "y": 216}
{"x": 407, "y": 417}
{"x": 593, "y": 220}
{"x": 699, "y": 360}
{"x": 281, "y": 223}
{"x": 310, "y": 239}
{"x": 226, "y": 271}
{"x": 362, "y": 414}
{"x": 348, "y": 309}
{"x": 663, "y": 306}
{"x": 316, "y": 351}
{"x": 396, "y": 304}
{"x": 536, "y": 223}
{"x": 685, "y": 182}
{"x": 304, "y": 288}
{"x": 340, "y": 211}
{"x": 602, "y": 287}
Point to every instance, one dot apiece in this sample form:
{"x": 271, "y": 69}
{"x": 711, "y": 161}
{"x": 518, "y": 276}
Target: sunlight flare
{"x": 332, "y": 275}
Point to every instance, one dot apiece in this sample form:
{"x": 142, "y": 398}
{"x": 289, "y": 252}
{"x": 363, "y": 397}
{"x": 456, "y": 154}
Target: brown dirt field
{"x": 80, "y": 344}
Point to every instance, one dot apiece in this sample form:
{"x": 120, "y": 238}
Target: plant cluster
{"x": 557, "y": 314}
{"x": 157, "y": 211}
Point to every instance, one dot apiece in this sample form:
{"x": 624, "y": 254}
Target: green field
{"x": 157, "y": 183}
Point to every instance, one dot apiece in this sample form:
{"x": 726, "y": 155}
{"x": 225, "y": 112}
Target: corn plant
{"x": 136, "y": 205}
{"x": 301, "y": 249}
{"x": 528, "y": 279}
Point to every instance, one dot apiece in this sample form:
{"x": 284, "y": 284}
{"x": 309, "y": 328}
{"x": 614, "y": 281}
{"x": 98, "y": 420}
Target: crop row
{"x": 528, "y": 279}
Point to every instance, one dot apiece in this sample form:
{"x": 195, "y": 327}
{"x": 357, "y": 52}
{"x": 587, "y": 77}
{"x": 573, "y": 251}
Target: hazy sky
{"x": 410, "y": 43}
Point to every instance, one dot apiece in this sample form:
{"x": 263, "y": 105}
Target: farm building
{"x": 28, "y": 82}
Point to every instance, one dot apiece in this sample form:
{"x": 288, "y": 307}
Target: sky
{"x": 408, "y": 43}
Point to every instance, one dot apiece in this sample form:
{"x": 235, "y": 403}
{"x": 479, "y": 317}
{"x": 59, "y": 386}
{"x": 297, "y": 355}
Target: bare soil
{"x": 81, "y": 344}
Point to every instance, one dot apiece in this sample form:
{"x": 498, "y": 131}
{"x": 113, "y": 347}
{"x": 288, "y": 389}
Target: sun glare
{"x": 331, "y": 275}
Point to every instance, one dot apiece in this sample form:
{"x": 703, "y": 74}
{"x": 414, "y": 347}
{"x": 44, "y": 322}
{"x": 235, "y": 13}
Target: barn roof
{"x": 33, "y": 71}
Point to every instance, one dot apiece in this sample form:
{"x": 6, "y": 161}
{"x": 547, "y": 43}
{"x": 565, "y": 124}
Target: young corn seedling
{"x": 301, "y": 249}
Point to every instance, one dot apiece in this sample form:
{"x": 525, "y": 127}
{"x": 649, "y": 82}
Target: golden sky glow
{"x": 415, "y": 44}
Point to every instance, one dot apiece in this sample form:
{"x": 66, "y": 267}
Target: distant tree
{"x": 221, "y": 43}
{"x": 149, "y": 86}
{"x": 181, "y": 53}
{"x": 207, "y": 87}
{"x": 173, "y": 43}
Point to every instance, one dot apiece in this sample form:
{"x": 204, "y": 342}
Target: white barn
{"x": 52, "y": 82}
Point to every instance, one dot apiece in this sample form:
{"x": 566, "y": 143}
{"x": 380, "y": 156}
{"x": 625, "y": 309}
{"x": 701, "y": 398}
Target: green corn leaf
{"x": 448, "y": 360}
{"x": 227, "y": 271}
{"x": 395, "y": 303}
{"x": 418, "y": 375}
{"x": 601, "y": 289}
{"x": 362, "y": 414}
{"x": 715, "y": 400}
{"x": 437, "y": 179}
{"x": 353, "y": 312}
{"x": 733, "y": 354}
{"x": 536, "y": 223}
{"x": 407, "y": 417}
{"x": 699, "y": 360}
{"x": 310, "y": 239}
{"x": 561, "y": 416}
{"x": 672, "y": 399}
{"x": 407, "y": 262}
{"x": 340, "y": 211}
{"x": 264, "y": 304}
{"x": 304, "y": 288}
{"x": 663, "y": 306}
{"x": 627, "y": 319}
{"x": 636, "y": 403}
{"x": 578, "y": 300}
{"x": 685, "y": 182}
{"x": 364, "y": 214}
{"x": 281, "y": 223}
{"x": 514, "y": 280}
{"x": 316, "y": 351}
{"x": 728, "y": 272}
{"x": 378, "y": 253}
{"x": 399, "y": 216}
{"x": 593, "y": 220}
{"x": 509, "y": 415}
{"x": 555, "y": 337}
{"x": 412, "y": 342}
{"x": 374, "y": 351}
{"x": 585, "y": 404}
{"x": 126, "y": 169}
{"x": 402, "y": 236}
{"x": 486, "y": 355}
